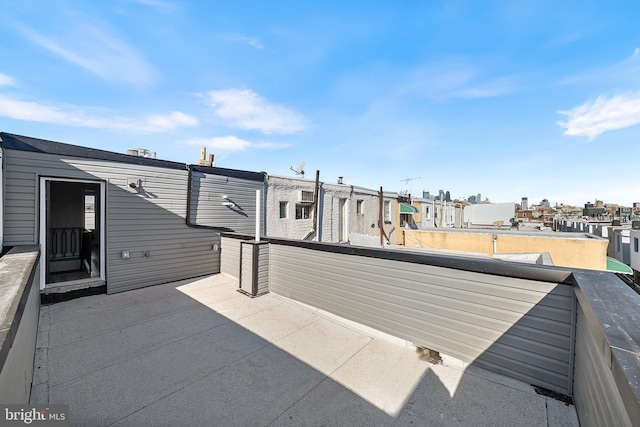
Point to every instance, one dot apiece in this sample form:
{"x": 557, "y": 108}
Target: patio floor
{"x": 197, "y": 352}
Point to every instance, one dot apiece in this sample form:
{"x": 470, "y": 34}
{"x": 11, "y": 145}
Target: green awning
{"x": 408, "y": 209}
{"x": 616, "y": 266}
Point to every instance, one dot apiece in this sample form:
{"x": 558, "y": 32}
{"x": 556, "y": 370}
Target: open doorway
{"x": 72, "y": 231}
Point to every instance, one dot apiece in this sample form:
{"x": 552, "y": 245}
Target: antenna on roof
{"x": 407, "y": 181}
{"x": 299, "y": 170}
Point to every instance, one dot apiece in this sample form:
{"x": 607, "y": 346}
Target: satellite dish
{"x": 299, "y": 170}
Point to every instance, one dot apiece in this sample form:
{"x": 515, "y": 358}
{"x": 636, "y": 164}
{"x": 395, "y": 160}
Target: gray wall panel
{"x": 517, "y": 326}
{"x": 207, "y": 202}
{"x": 150, "y": 218}
{"x": 230, "y": 256}
{"x": 598, "y": 401}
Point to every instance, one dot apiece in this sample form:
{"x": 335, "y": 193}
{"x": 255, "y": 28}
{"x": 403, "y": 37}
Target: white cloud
{"x": 159, "y": 4}
{"x": 233, "y": 143}
{"x": 604, "y": 114}
{"x": 227, "y": 143}
{"x": 69, "y": 115}
{"x": 454, "y": 78}
{"x": 622, "y": 74}
{"x": 246, "y": 109}
{"x": 91, "y": 45}
{"x": 271, "y": 145}
{"x": 171, "y": 121}
{"x": 6, "y": 80}
{"x": 251, "y": 41}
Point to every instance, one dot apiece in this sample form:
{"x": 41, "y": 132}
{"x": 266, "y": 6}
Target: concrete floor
{"x": 198, "y": 353}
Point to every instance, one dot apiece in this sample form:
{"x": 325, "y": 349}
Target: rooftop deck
{"x": 198, "y": 352}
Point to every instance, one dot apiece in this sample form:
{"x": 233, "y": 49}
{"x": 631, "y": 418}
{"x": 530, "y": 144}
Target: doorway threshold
{"x": 65, "y": 291}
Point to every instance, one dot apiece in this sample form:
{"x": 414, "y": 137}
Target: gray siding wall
{"x": 263, "y": 267}
{"x": 596, "y": 394}
{"x": 230, "y": 256}
{"x": 607, "y": 358}
{"x": 150, "y": 218}
{"x": 522, "y": 328}
{"x": 255, "y": 267}
{"x": 246, "y": 259}
{"x": 20, "y": 323}
{"x": 207, "y": 202}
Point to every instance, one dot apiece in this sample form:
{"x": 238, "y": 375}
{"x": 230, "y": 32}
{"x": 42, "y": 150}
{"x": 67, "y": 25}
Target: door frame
{"x": 43, "y": 226}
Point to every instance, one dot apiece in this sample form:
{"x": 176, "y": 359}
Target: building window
{"x": 284, "y": 210}
{"x": 303, "y": 211}
{"x": 359, "y": 207}
{"x": 635, "y": 244}
{"x": 427, "y": 213}
{"x": 306, "y": 196}
{"x": 387, "y": 211}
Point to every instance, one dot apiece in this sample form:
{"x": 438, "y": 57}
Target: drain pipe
{"x": 314, "y": 227}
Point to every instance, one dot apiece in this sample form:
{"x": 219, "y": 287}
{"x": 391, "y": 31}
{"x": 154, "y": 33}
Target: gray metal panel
{"x": 519, "y": 327}
{"x": 598, "y": 401}
{"x": 246, "y": 268}
{"x": 207, "y": 202}
{"x": 230, "y": 256}
{"x": 151, "y": 218}
{"x": 19, "y": 321}
{"x": 263, "y": 267}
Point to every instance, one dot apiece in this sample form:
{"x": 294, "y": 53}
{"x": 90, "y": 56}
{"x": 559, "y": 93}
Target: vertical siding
{"x": 522, "y": 328}
{"x": 598, "y": 401}
{"x": 207, "y": 202}
{"x": 263, "y": 267}
{"x": 255, "y": 267}
{"x": 230, "y": 256}
{"x": 246, "y": 269}
{"x": 150, "y": 218}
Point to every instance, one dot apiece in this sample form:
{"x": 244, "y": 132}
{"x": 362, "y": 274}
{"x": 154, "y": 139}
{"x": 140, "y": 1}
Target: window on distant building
{"x": 303, "y": 211}
{"x": 635, "y": 244}
{"x": 427, "y": 213}
{"x": 387, "y": 210}
{"x": 359, "y": 208}
{"x": 284, "y": 210}
{"x": 306, "y": 196}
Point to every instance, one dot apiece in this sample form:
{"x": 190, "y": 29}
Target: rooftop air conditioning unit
{"x": 305, "y": 196}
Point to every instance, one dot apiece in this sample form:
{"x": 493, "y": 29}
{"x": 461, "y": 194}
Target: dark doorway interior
{"x": 73, "y": 231}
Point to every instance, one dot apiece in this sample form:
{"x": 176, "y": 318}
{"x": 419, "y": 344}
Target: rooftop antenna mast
{"x": 407, "y": 181}
{"x": 299, "y": 170}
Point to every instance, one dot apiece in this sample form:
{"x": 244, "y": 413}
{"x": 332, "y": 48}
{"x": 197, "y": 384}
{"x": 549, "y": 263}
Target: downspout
{"x": 188, "y": 215}
{"x": 314, "y": 226}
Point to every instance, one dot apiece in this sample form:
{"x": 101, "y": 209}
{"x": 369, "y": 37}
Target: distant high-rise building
{"x": 525, "y": 203}
{"x": 447, "y": 196}
{"x": 545, "y": 203}
{"x": 426, "y": 195}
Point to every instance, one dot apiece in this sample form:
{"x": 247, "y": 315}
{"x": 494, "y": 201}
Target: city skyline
{"x": 515, "y": 99}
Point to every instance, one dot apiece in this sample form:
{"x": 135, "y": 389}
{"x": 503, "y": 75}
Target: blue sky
{"x": 507, "y": 99}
